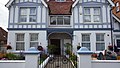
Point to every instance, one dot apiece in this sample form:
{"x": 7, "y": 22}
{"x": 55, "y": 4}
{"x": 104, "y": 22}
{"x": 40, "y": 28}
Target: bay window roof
{"x": 56, "y": 8}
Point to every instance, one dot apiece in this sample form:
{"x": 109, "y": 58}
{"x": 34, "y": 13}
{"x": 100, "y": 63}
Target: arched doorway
{"x": 59, "y": 40}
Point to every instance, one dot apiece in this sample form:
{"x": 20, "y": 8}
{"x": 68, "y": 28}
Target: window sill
{"x": 27, "y": 23}
{"x": 91, "y": 22}
{"x": 59, "y": 25}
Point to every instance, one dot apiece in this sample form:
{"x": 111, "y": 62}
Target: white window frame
{"x": 100, "y": 41}
{"x": 60, "y": 0}
{"x": 56, "y": 16}
{"x": 34, "y": 41}
{"x": 28, "y": 14}
{"x": 116, "y": 42}
{"x": 86, "y": 41}
{"x": 117, "y": 7}
{"x": 92, "y": 14}
{"x": 20, "y": 41}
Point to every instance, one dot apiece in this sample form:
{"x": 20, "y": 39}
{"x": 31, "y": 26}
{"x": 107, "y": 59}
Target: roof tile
{"x": 63, "y": 8}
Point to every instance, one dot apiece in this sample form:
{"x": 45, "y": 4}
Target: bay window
{"x": 28, "y": 14}
{"x": 91, "y": 15}
{"x": 59, "y": 20}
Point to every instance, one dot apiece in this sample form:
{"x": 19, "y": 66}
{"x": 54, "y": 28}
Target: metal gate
{"x": 58, "y": 61}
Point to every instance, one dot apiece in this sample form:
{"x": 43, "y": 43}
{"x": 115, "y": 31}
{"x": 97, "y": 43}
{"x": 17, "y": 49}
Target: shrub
{"x": 52, "y": 49}
{"x": 11, "y": 56}
{"x": 74, "y": 59}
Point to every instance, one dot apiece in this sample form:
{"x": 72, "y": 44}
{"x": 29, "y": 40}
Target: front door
{"x": 56, "y": 42}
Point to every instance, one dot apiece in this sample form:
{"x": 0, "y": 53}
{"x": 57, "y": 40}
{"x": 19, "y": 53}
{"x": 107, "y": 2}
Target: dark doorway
{"x": 56, "y": 42}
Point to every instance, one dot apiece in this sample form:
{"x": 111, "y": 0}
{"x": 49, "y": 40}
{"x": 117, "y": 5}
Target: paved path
{"x": 59, "y": 62}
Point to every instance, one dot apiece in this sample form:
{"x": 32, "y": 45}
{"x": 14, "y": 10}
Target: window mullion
{"x": 92, "y": 14}
{"x": 63, "y": 20}
{"x": 28, "y": 14}
{"x": 56, "y": 20}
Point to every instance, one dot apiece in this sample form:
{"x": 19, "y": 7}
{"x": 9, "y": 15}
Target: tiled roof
{"x": 3, "y": 35}
{"x": 63, "y": 8}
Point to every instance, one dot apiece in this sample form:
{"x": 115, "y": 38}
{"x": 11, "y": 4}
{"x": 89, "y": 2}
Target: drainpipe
{"x": 111, "y": 24}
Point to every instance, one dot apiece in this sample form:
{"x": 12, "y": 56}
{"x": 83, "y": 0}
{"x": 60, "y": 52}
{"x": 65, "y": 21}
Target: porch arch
{"x": 59, "y": 39}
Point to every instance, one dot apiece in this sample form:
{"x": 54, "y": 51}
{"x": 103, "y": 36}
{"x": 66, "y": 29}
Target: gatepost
{"x": 31, "y": 58}
{"x": 84, "y": 58}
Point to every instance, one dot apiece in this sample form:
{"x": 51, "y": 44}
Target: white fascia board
{"x": 116, "y": 18}
{"x": 9, "y": 3}
{"x": 44, "y": 3}
{"x": 111, "y": 3}
{"x": 75, "y": 3}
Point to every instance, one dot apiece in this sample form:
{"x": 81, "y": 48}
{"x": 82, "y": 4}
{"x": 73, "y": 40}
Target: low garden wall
{"x": 105, "y": 63}
{"x": 12, "y": 64}
{"x": 85, "y": 60}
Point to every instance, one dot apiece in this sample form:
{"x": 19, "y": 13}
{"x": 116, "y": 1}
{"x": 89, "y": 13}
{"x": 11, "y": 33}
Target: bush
{"x": 74, "y": 59}
{"x": 67, "y": 52}
{"x": 42, "y": 58}
{"x": 11, "y": 56}
{"x": 52, "y": 49}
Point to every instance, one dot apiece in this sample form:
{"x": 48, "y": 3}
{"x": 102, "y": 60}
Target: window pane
{"x": 87, "y": 18}
{"x": 32, "y": 19}
{"x": 59, "y": 20}
{"x": 117, "y": 4}
{"x": 23, "y": 14}
{"x": 67, "y": 20}
{"x": 33, "y": 44}
{"x": 52, "y": 20}
{"x": 96, "y": 11}
{"x": 60, "y": 0}
{"x": 20, "y": 37}
{"x": 99, "y": 37}
{"x": 87, "y": 45}
{"x": 96, "y": 18}
{"x": 100, "y": 46}
{"x": 32, "y": 11}
{"x": 85, "y": 37}
{"x": 20, "y": 46}
{"x": 33, "y": 37}
{"x": 86, "y": 11}
{"x": 23, "y": 11}
{"x": 23, "y": 18}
